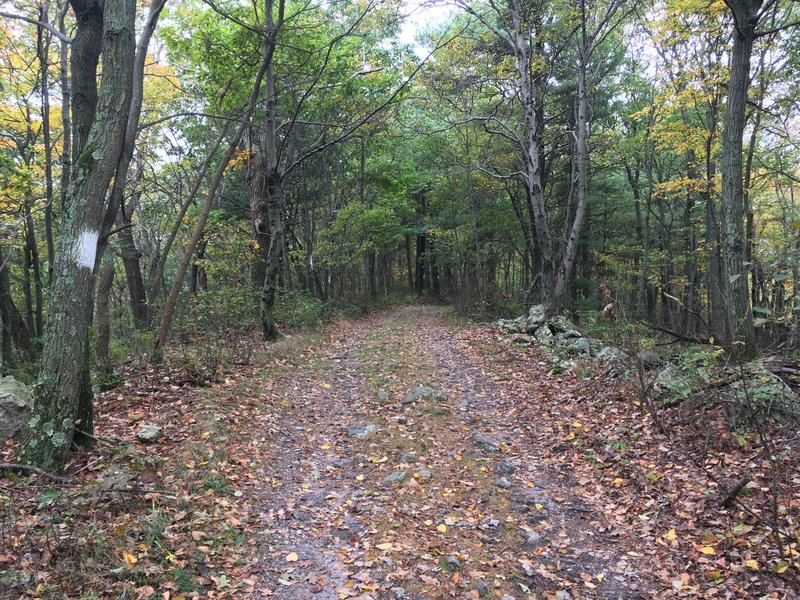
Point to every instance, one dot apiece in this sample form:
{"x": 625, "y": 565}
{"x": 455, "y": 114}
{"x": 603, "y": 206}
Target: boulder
{"x": 673, "y": 383}
{"x": 763, "y": 394}
{"x": 573, "y": 346}
{"x": 651, "y": 359}
{"x": 519, "y": 339}
{"x": 536, "y": 318}
{"x": 394, "y": 478}
{"x": 149, "y": 434}
{"x": 16, "y": 404}
{"x": 615, "y": 362}
{"x": 422, "y": 392}
{"x": 544, "y": 336}
{"x": 562, "y": 324}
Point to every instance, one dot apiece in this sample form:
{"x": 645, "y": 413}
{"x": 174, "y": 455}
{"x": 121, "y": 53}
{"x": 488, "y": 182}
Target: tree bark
{"x": 740, "y": 332}
{"x": 63, "y": 400}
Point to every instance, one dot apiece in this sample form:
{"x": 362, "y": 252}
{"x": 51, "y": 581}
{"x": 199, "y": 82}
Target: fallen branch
{"x": 733, "y": 492}
{"x": 18, "y": 467}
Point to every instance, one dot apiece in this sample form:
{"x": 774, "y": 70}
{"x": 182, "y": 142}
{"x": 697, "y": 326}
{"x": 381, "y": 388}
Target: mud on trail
{"x": 363, "y": 496}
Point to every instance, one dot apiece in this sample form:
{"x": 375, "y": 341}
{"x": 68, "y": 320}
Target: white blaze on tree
{"x": 86, "y": 249}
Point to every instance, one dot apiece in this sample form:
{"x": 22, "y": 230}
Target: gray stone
{"x": 395, "y": 478}
{"x": 149, "y": 434}
{"x": 362, "y": 430}
{"x": 519, "y": 339}
{"x": 545, "y": 336}
{"x": 504, "y": 483}
{"x": 399, "y": 593}
{"x": 511, "y": 325}
{"x": 573, "y": 346}
{"x": 482, "y": 589}
{"x": 562, "y": 324}
{"x": 16, "y": 404}
{"x": 422, "y": 392}
{"x": 674, "y": 383}
{"x": 424, "y": 473}
{"x": 651, "y": 359}
{"x": 505, "y": 467}
{"x": 490, "y": 522}
{"x": 761, "y": 394}
{"x": 532, "y": 540}
{"x": 615, "y": 362}
{"x": 408, "y": 459}
{"x": 485, "y": 442}
{"x": 536, "y": 318}
{"x": 383, "y": 396}
{"x": 451, "y": 564}
{"x": 14, "y": 578}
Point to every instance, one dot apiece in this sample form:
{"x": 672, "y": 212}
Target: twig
{"x": 32, "y": 469}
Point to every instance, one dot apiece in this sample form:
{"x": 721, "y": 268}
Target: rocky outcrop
{"x": 16, "y": 404}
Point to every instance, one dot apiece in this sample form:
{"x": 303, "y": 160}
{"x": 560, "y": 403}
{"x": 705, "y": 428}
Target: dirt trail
{"x": 446, "y": 498}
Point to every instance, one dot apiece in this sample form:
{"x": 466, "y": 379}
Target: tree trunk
{"x": 103, "y": 314}
{"x": 740, "y": 332}
{"x": 63, "y": 400}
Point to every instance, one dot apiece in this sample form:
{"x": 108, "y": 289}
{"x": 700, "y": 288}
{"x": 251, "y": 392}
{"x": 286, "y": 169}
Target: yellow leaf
{"x": 671, "y": 536}
{"x": 130, "y": 559}
{"x": 384, "y": 546}
{"x": 327, "y": 386}
{"x": 292, "y": 557}
{"x": 359, "y": 478}
{"x": 708, "y": 550}
{"x": 325, "y": 447}
{"x": 429, "y": 522}
{"x": 781, "y": 567}
{"x": 618, "y": 481}
{"x": 442, "y": 527}
{"x": 751, "y": 564}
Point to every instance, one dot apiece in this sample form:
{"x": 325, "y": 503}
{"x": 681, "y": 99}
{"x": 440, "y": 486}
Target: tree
{"x": 63, "y": 403}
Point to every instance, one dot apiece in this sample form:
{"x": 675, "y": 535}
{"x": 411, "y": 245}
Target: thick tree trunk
{"x": 741, "y": 334}
{"x": 63, "y": 396}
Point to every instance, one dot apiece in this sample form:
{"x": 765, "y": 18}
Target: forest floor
{"x": 304, "y": 475}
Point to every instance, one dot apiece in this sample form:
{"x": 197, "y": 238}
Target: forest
{"x": 384, "y": 299}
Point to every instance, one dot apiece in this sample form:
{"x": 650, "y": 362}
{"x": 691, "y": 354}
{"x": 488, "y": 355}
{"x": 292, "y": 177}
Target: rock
{"x": 490, "y": 522}
{"x": 674, "y": 383}
{"x": 762, "y": 395}
{"x": 563, "y": 595}
{"x": 503, "y": 483}
{"x": 485, "y": 442}
{"x": 651, "y": 359}
{"x": 422, "y": 392}
{"x": 562, "y": 324}
{"x": 536, "y": 318}
{"x": 424, "y": 473}
{"x": 362, "y": 430}
{"x": 451, "y": 564}
{"x": 482, "y": 589}
{"x": 394, "y": 478}
{"x": 408, "y": 459}
{"x": 16, "y": 404}
{"x": 14, "y": 578}
{"x": 519, "y": 339}
{"x": 545, "y": 336}
{"x": 149, "y": 434}
{"x": 383, "y": 396}
{"x": 614, "y": 361}
{"x": 511, "y": 325}
{"x": 399, "y": 593}
{"x": 573, "y": 346}
{"x": 505, "y": 467}
{"x": 532, "y": 540}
